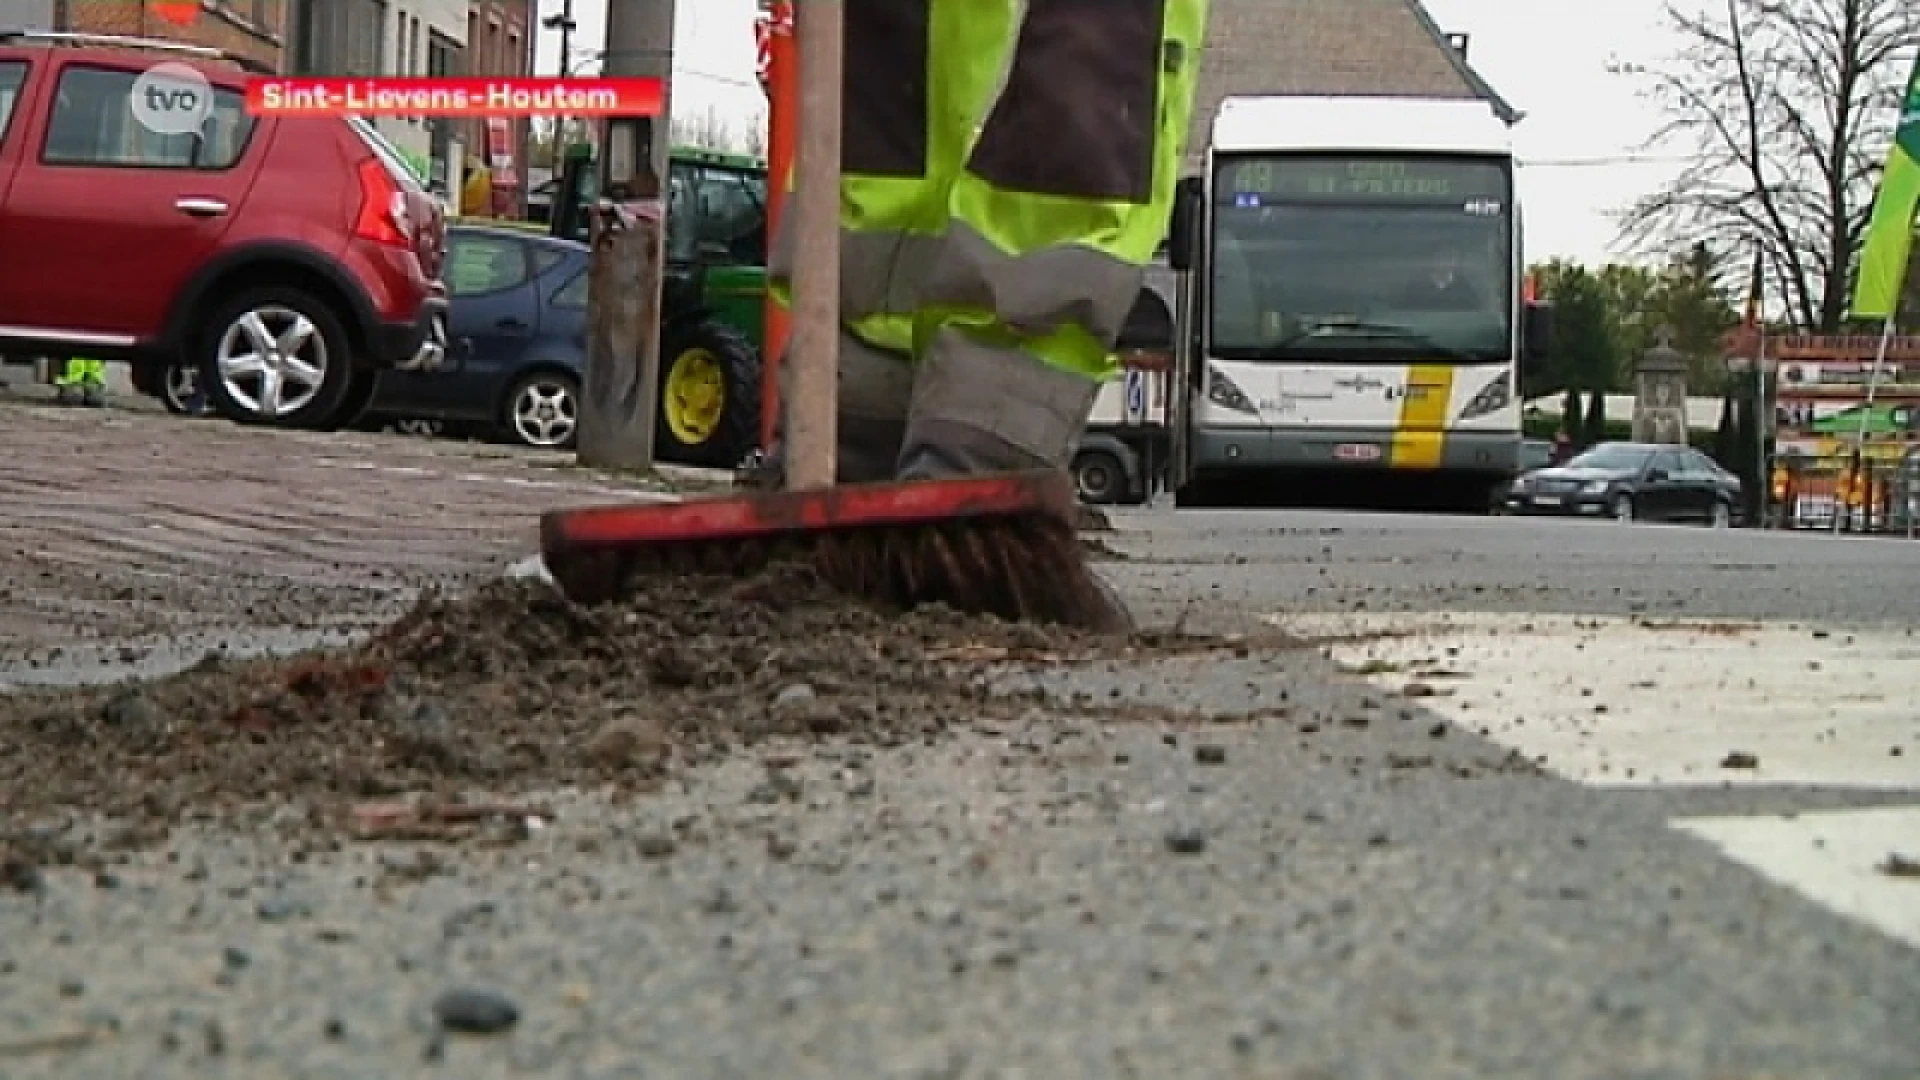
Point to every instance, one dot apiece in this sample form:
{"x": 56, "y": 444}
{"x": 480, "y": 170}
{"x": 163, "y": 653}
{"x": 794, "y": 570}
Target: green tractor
{"x": 712, "y": 299}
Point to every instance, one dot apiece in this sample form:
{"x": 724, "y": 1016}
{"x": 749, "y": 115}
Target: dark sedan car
{"x": 1632, "y": 482}
{"x": 518, "y": 323}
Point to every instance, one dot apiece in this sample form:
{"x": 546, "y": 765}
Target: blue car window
{"x": 573, "y": 294}
{"x": 477, "y": 265}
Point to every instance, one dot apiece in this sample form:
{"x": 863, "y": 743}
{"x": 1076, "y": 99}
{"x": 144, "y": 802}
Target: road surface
{"x": 1604, "y": 801}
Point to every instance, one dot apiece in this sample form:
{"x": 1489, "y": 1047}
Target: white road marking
{"x": 1833, "y": 856}
{"x": 1619, "y": 702}
{"x": 1616, "y": 702}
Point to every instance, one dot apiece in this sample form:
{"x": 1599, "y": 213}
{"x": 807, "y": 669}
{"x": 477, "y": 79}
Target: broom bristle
{"x": 1021, "y": 567}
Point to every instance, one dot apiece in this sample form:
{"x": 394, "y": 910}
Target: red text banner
{"x": 454, "y": 97}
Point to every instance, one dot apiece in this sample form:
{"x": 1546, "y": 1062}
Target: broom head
{"x": 1001, "y": 544}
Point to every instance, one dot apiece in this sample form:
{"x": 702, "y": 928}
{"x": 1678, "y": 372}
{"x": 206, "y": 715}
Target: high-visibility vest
{"x": 973, "y": 123}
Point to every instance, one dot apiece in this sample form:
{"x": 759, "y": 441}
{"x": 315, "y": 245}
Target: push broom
{"x": 1001, "y": 544}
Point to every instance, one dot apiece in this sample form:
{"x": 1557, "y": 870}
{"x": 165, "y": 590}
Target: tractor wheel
{"x": 709, "y": 397}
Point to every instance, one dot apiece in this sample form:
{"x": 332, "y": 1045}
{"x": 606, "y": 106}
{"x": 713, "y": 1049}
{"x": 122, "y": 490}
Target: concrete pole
{"x": 622, "y": 392}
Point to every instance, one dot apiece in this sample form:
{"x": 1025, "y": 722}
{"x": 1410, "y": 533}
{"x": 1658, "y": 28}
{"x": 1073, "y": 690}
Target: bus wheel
{"x": 1100, "y": 476}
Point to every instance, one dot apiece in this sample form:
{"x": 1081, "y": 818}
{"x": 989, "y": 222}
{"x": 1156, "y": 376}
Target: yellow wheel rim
{"x": 695, "y": 396}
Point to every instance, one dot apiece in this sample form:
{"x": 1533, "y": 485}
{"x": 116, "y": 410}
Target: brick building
{"x": 1389, "y": 48}
{"x": 255, "y": 29}
{"x": 500, "y": 42}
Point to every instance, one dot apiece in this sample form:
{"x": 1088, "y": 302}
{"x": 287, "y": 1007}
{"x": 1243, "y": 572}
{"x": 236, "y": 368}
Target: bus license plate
{"x": 1356, "y": 452}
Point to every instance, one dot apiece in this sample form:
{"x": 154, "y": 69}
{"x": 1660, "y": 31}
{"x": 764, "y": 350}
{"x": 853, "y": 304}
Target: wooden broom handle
{"x": 815, "y": 334}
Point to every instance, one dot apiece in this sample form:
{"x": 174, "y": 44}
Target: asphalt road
{"x": 1355, "y": 883}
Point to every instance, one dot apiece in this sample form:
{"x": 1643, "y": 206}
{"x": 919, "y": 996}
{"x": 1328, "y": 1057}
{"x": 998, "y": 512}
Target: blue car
{"x": 517, "y": 326}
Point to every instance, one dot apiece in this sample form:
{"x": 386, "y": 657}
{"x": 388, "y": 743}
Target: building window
{"x": 377, "y": 62}
{"x": 307, "y": 44}
{"x": 443, "y": 56}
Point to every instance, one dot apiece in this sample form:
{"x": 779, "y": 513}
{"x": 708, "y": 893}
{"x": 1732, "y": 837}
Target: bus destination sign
{"x": 1313, "y": 179}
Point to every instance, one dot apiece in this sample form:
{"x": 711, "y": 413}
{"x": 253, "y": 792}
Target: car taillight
{"x": 383, "y": 208}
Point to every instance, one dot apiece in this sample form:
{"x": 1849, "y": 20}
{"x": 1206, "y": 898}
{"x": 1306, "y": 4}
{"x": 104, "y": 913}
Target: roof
{"x": 1360, "y": 124}
{"x": 1389, "y": 48}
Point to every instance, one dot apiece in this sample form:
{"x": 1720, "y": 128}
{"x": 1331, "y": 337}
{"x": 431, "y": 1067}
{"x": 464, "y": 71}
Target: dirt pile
{"x": 513, "y": 688}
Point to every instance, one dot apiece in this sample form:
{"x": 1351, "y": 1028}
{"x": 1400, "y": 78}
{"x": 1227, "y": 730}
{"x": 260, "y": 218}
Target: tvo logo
{"x": 171, "y": 99}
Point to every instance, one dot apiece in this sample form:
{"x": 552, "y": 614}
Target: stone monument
{"x": 1660, "y": 393}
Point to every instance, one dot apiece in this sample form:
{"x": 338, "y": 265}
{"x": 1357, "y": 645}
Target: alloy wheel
{"x": 545, "y": 413}
{"x": 272, "y": 360}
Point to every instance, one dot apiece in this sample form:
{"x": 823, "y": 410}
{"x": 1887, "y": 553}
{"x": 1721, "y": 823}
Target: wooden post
{"x": 811, "y": 419}
{"x": 622, "y": 392}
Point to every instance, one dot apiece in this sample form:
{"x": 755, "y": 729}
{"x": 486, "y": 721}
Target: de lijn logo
{"x": 171, "y": 99}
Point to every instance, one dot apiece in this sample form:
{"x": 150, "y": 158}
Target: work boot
{"x": 93, "y": 396}
{"x": 875, "y": 388}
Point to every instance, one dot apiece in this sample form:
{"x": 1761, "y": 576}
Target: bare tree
{"x": 753, "y": 140}
{"x": 1787, "y": 108}
{"x": 708, "y": 130}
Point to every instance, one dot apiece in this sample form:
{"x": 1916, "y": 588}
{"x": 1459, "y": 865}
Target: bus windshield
{"x": 1357, "y": 257}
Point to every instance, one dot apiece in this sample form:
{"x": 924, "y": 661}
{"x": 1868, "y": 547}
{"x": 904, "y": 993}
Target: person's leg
{"x": 93, "y": 381}
{"x": 915, "y": 86}
{"x": 66, "y": 379}
{"x": 1065, "y": 196}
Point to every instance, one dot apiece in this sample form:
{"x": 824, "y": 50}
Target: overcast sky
{"x": 1548, "y": 57}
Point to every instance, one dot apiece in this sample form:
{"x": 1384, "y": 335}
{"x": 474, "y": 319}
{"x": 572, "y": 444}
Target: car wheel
{"x": 1722, "y": 515}
{"x": 709, "y": 413}
{"x": 179, "y": 386}
{"x": 1621, "y": 508}
{"x": 543, "y": 410}
{"x": 419, "y": 427}
{"x": 276, "y": 357}
{"x": 1100, "y": 476}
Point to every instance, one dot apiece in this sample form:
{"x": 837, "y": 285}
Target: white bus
{"x": 1351, "y": 299}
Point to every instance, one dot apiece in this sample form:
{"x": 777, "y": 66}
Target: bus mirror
{"x": 1536, "y": 335}
{"x": 1184, "y": 234}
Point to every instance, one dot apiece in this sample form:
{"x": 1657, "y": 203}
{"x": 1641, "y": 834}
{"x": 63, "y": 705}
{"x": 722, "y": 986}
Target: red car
{"x": 286, "y": 259}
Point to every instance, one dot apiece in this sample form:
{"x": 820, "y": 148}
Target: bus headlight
{"x": 1492, "y": 397}
{"x": 1222, "y": 392}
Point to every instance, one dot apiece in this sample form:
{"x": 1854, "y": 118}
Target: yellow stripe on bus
{"x": 1420, "y": 439}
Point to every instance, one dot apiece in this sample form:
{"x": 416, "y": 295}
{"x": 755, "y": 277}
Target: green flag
{"x": 1883, "y": 259}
